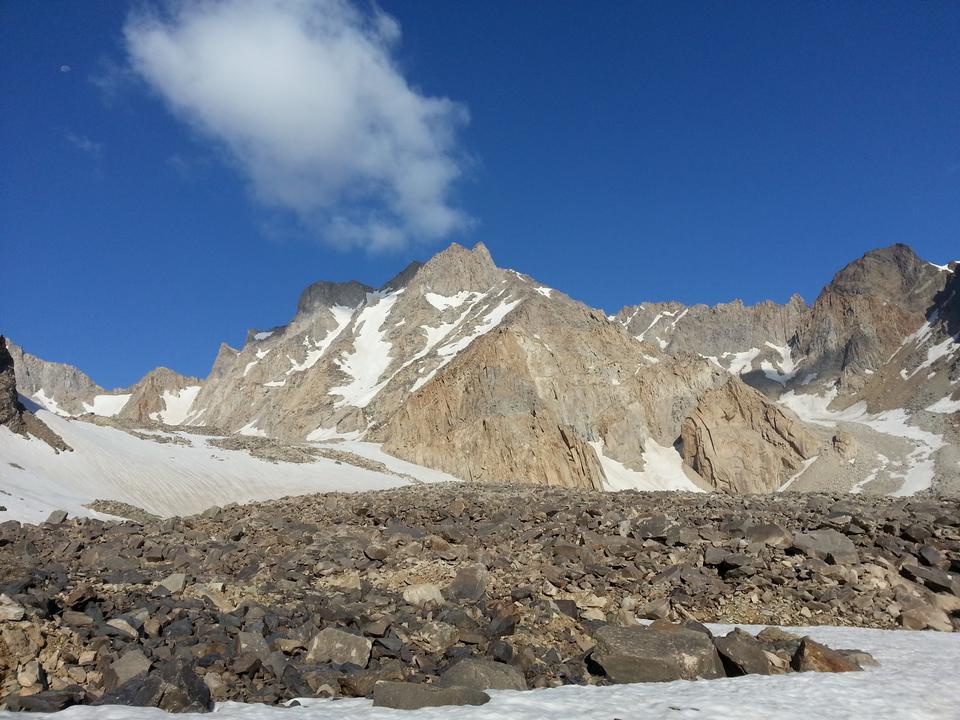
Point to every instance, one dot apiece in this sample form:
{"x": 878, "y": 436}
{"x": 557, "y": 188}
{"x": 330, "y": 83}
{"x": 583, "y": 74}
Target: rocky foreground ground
{"x": 456, "y": 587}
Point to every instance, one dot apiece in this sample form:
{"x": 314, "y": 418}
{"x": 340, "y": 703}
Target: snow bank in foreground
{"x": 914, "y": 682}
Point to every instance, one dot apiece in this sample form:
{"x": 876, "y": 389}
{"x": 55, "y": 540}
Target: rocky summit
{"x": 434, "y": 594}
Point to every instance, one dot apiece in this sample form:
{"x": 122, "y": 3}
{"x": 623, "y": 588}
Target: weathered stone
{"x": 436, "y": 637}
{"x": 423, "y": 594}
{"x": 337, "y": 646}
{"x": 175, "y": 582}
{"x": 769, "y": 534}
{"x": 655, "y": 527}
{"x": 31, "y": 674}
{"x": 376, "y": 552}
{"x": 126, "y": 667}
{"x": 10, "y": 610}
{"x": 76, "y": 619}
{"x": 742, "y": 654}
{"x": 413, "y": 696}
{"x": 57, "y": 517}
{"x": 48, "y": 701}
{"x": 638, "y": 654}
{"x": 827, "y": 544}
{"x": 814, "y": 657}
{"x": 123, "y": 626}
{"x": 936, "y": 580}
{"x": 484, "y": 675}
{"x": 923, "y": 617}
{"x": 470, "y": 583}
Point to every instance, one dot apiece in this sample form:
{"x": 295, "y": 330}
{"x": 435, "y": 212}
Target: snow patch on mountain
{"x": 370, "y": 357}
{"x": 945, "y": 406}
{"x": 48, "y": 403}
{"x": 449, "y": 351}
{"x": 107, "y": 405}
{"x": 177, "y": 405}
{"x": 741, "y": 362}
{"x": 251, "y": 430}
{"x": 443, "y": 302}
{"x": 315, "y": 350}
{"x": 919, "y": 465}
{"x": 941, "y": 350}
{"x": 374, "y": 451}
{"x": 663, "y": 470}
{"x": 796, "y": 476}
{"x": 786, "y": 368}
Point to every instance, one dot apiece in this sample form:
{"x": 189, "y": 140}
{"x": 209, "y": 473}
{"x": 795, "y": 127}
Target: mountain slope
{"x": 489, "y": 376}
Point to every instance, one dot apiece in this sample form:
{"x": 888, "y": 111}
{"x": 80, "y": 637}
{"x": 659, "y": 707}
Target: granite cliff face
{"x": 484, "y": 373}
{"x": 741, "y": 442}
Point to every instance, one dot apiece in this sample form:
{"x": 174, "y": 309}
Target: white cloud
{"x": 82, "y": 142}
{"x": 308, "y": 99}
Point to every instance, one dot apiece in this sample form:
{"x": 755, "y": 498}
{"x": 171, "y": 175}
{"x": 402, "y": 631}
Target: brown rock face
{"x": 12, "y": 412}
{"x": 863, "y": 315}
{"x": 485, "y": 422}
{"x": 738, "y": 441}
{"x": 10, "y": 408}
{"x": 146, "y": 402}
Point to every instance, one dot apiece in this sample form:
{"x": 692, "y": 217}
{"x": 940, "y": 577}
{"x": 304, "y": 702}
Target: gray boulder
{"x": 125, "y": 668}
{"x": 340, "y": 647}
{"x": 413, "y": 696}
{"x": 769, "y": 534}
{"x": 639, "y": 654}
{"x": 742, "y": 654}
{"x": 828, "y": 545}
{"x": 470, "y": 583}
{"x": 484, "y": 675}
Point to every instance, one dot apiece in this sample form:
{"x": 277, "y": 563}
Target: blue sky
{"x": 171, "y": 178}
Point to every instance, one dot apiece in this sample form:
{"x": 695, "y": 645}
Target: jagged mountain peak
{"x": 326, "y": 294}
{"x": 458, "y": 269}
{"x": 402, "y": 278}
{"x": 895, "y": 272}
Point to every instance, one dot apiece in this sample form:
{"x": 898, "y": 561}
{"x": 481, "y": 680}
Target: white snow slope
{"x": 663, "y": 470}
{"x": 165, "y": 479}
{"x": 920, "y": 463}
{"x": 913, "y": 682}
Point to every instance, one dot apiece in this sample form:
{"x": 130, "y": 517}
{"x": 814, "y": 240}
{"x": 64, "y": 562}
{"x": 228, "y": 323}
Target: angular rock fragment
{"x": 413, "y": 696}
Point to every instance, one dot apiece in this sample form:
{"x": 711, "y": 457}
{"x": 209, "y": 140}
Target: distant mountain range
{"x": 485, "y": 374}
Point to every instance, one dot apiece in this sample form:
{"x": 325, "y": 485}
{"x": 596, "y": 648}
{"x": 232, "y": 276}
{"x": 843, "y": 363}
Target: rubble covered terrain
{"x": 345, "y": 594}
